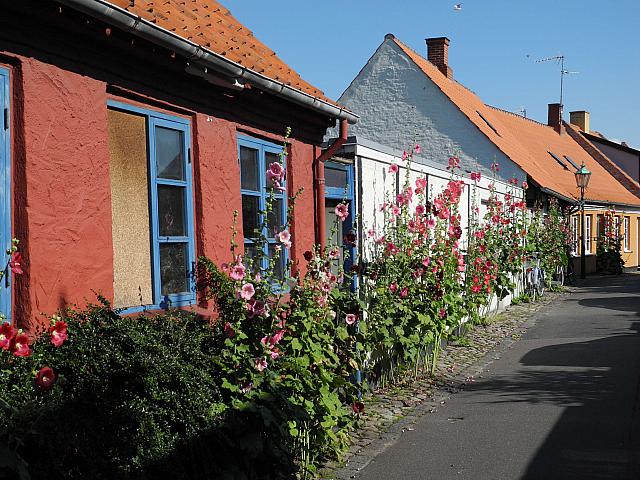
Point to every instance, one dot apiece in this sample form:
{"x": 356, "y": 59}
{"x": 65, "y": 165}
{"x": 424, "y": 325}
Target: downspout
{"x": 319, "y": 170}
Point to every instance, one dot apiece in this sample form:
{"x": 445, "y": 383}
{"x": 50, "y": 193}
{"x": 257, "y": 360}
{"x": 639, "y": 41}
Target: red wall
{"x": 62, "y": 187}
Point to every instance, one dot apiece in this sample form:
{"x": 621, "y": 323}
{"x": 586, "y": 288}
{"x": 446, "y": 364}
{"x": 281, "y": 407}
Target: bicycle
{"x": 534, "y": 277}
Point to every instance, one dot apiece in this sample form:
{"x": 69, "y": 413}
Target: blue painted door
{"x": 5, "y": 193}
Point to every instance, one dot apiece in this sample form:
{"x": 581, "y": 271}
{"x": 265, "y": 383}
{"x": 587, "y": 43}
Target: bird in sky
{"x": 457, "y": 7}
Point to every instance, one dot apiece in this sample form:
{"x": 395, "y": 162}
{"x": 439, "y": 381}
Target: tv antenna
{"x": 522, "y": 111}
{"x": 558, "y": 59}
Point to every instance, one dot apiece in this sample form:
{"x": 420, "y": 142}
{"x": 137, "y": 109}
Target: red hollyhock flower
{"x": 20, "y": 345}
{"x": 308, "y": 255}
{"x": 58, "y": 333}
{"x": 358, "y": 407}
{"x": 7, "y": 332}
{"x": 16, "y": 263}
{"x": 46, "y": 378}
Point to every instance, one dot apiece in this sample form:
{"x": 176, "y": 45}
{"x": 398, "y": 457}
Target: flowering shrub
{"x": 609, "y": 246}
{"x": 285, "y": 354}
{"x": 496, "y": 245}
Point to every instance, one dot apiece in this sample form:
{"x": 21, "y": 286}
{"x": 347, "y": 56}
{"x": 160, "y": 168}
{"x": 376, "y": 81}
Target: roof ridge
{"x": 517, "y": 116}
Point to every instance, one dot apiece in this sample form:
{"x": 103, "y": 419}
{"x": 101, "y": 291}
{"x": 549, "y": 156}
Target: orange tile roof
{"x": 210, "y": 25}
{"x": 527, "y": 143}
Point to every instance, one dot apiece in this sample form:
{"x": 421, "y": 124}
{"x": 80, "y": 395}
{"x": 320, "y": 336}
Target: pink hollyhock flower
{"x": 417, "y": 149}
{"x": 247, "y": 291}
{"x": 431, "y": 223}
{"x": 476, "y": 289}
{"x": 421, "y": 183}
{"x": 393, "y": 168}
{"x": 444, "y": 214}
{"x": 237, "y": 271}
{"x": 420, "y": 209}
{"x": 525, "y": 185}
{"x": 395, "y": 210}
{"x": 411, "y": 226}
{"x": 371, "y": 233}
{"x": 256, "y": 308}
{"x": 342, "y": 211}
{"x": 275, "y": 172}
{"x": 225, "y": 267}
{"x": 426, "y": 262}
{"x": 442, "y": 313}
{"x": 260, "y": 364}
{"x": 285, "y": 238}
{"x": 350, "y": 318}
{"x": 454, "y": 162}
{"x": 228, "y": 330}
{"x": 380, "y": 240}
{"x": 495, "y": 167}
{"x": 275, "y": 353}
{"x": 7, "y": 332}
{"x": 58, "y": 333}
{"x": 358, "y": 407}
{"x": 393, "y": 287}
{"x": 15, "y": 264}
{"x": 45, "y": 378}
{"x": 19, "y": 345}
{"x": 382, "y": 206}
{"x": 277, "y": 337}
{"x": 476, "y": 176}
{"x": 404, "y": 292}
{"x": 404, "y": 155}
{"x": 334, "y": 253}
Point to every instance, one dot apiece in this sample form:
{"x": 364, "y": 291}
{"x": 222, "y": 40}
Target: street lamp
{"x": 582, "y": 180}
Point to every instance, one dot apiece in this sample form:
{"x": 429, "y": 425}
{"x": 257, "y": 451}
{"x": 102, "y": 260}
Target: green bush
{"x": 135, "y": 398}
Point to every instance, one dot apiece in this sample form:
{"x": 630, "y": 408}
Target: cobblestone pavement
{"x": 392, "y": 411}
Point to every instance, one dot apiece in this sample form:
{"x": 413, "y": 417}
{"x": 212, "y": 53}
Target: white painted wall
{"x": 399, "y": 106}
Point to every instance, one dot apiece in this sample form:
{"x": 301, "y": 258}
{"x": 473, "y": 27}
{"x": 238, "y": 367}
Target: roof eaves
{"x": 115, "y": 15}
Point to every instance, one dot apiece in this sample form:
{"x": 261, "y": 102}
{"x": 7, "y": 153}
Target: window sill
{"x": 156, "y": 308}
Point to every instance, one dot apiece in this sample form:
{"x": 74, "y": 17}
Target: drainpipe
{"x": 320, "y": 206}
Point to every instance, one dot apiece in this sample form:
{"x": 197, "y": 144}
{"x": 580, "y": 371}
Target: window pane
{"x": 171, "y": 203}
{"x": 251, "y": 256}
{"x": 250, "y": 215}
{"x": 174, "y": 269}
{"x": 169, "y": 153}
{"x": 276, "y": 218}
{"x": 335, "y": 178}
{"x": 278, "y": 269}
{"x": 249, "y": 169}
{"x": 271, "y": 157}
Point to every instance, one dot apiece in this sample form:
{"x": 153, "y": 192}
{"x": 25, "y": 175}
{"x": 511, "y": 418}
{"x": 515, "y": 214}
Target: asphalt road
{"x": 561, "y": 403}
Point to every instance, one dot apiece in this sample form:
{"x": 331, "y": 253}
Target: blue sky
{"x": 328, "y": 42}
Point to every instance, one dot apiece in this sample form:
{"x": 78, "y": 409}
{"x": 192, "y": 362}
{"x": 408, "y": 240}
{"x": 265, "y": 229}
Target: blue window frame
{"x": 254, "y": 157}
{"x": 5, "y": 192}
{"x": 339, "y": 188}
{"x": 171, "y": 208}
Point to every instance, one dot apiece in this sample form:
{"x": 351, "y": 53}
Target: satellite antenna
{"x": 558, "y": 59}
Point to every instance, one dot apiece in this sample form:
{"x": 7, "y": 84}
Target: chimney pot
{"x": 438, "y": 54}
{"x": 580, "y": 119}
{"x": 555, "y": 117}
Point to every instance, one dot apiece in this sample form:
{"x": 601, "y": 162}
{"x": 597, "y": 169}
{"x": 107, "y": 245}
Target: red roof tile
{"x": 528, "y": 143}
{"x": 210, "y": 25}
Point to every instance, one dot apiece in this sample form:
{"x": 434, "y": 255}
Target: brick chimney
{"x": 438, "y": 54}
{"x": 580, "y": 119}
{"x": 555, "y": 117}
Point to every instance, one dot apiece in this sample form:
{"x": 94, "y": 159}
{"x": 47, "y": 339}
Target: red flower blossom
{"x": 46, "y": 378}
{"x": 19, "y": 345}
{"x": 358, "y": 407}
{"x": 15, "y": 264}
{"x": 7, "y": 332}
{"x": 308, "y": 255}
{"x": 58, "y": 333}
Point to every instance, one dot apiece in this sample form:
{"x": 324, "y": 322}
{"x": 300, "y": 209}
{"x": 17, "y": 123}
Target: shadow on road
{"x": 598, "y": 434}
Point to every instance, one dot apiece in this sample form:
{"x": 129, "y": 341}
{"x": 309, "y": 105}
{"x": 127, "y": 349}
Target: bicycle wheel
{"x": 560, "y": 275}
{"x": 531, "y": 286}
{"x": 540, "y": 284}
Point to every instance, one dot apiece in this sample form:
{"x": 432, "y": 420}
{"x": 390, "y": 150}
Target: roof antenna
{"x": 522, "y": 111}
{"x": 558, "y": 59}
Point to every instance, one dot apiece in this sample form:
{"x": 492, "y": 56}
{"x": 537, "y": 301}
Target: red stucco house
{"x": 132, "y": 130}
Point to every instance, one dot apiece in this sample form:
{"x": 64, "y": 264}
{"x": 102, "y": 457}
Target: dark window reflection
{"x": 171, "y": 208}
{"x": 169, "y": 153}
{"x": 249, "y": 177}
{"x": 174, "y": 268}
{"x": 250, "y": 215}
